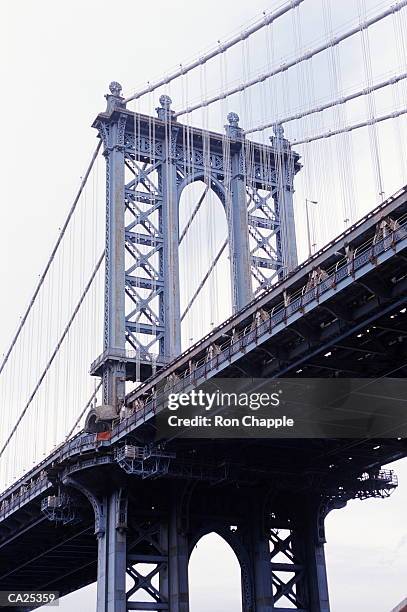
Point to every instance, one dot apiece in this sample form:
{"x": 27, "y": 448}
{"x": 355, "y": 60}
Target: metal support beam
{"x": 286, "y": 239}
{"x": 262, "y": 576}
{"x": 114, "y": 315}
{"x": 170, "y": 263}
{"x": 239, "y": 236}
{"x": 174, "y": 578}
{"x": 312, "y": 548}
{"x": 111, "y": 581}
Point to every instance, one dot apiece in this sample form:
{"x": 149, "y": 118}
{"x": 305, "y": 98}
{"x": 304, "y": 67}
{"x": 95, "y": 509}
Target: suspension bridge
{"x": 244, "y": 216}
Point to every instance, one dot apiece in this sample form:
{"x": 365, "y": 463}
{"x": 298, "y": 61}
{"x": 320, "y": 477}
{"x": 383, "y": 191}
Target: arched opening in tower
{"x": 214, "y": 576}
{"x": 204, "y": 262}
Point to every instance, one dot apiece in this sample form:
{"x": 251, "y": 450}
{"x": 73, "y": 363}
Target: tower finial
{"x": 278, "y": 130}
{"x": 164, "y": 111}
{"x": 165, "y": 101}
{"x": 115, "y": 88}
{"x": 233, "y": 119}
{"x": 232, "y": 129}
{"x": 278, "y": 140}
{"x": 114, "y": 98}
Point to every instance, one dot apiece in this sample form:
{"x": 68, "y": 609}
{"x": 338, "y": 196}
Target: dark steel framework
{"x": 343, "y": 312}
{"x": 149, "y": 162}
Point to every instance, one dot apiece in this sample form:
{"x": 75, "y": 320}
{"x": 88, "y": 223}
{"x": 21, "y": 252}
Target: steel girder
{"x": 337, "y": 306}
{"x": 149, "y": 162}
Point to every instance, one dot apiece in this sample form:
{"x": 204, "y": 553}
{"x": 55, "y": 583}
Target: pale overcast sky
{"x": 57, "y": 60}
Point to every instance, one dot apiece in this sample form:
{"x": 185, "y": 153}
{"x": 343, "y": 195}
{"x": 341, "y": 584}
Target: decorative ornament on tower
{"x": 278, "y": 140}
{"x": 232, "y": 129}
{"x": 115, "y": 88}
{"x": 115, "y": 98}
{"x": 164, "y": 111}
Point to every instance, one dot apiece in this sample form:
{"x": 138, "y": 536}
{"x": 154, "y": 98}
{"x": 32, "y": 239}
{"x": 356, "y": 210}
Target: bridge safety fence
{"x": 347, "y": 267}
{"x": 36, "y": 481}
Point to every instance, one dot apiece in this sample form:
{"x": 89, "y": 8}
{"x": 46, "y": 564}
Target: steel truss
{"x": 149, "y": 162}
{"x": 147, "y": 531}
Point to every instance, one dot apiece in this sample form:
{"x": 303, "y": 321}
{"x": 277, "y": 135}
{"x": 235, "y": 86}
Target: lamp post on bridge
{"x": 307, "y": 201}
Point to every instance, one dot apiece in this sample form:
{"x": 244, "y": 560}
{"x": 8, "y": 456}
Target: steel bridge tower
{"x": 149, "y": 162}
{"x": 149, "y": 500}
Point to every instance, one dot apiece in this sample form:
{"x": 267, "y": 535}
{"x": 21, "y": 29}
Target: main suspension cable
{"x": 51, "y": 257}
{"x": 54, "y": 354}
{"x": 286, "y": 65}
{"x": 350, "y": 128}
{"x": 322, "y": 107}
{"x": 88, "y": 403}
{"x": 265, "y": 21}
{"x": 204, "y": 279}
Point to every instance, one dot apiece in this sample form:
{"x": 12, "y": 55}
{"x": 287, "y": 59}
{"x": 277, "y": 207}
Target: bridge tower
{"x": 149, "y": 162}
{"x": 150, "y": 497}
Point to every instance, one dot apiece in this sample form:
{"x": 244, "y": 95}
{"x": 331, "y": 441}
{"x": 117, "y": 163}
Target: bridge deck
{"x": 331, "y": 255}
{"x": 293, "y": 298}
{"x": 291, "y": 337}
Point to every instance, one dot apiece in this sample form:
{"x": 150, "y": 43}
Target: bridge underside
{"x": 268, "y": 499}
{"x": 359, "y": 332}
{"x": 211, "y": 485}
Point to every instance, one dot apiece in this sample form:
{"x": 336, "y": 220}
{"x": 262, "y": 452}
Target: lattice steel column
{"x": 262, "y": 576}
{"x": 242, "y": 291}
{"x": 142, "y": 312}
{"x": 143, "y": 553}
{"x": 112, "y": 555}
{"x": 286, "y": 550}
{"x": 170, "y": 220}
{"x": 114, "y": 317}
{"x": 269, "y": 173}
{"x": 285, "y": 171}
{"x": 155, "y": 544}
{"x": 149, "y": 162}
{"x": 297, "y": 558}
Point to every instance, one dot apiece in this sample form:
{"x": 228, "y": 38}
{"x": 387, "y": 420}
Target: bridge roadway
{"x": 342, "y": 313}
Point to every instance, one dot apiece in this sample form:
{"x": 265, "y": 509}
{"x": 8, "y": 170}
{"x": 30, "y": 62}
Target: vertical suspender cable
{"x": 51, "y": 258}
{"x": 266, "y": 20}
{"x": 55, "y": 352}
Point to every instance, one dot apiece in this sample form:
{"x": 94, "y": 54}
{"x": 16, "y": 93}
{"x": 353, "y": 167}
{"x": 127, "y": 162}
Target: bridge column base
{"x": 280, "y": 548}
{"x": 111, "y": 581}
{"x": 297, "y": 558}
{"x": 174, "y": 578}
{"x": 311, "y": 548}
{"x": 144, "y": 549}
{"x": 142, "y": 560}
{"x": 259, "y": 553}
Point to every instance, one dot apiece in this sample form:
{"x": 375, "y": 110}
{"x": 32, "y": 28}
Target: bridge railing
{"x": 341, "y": 268}
{"x": 36, "y": 482}
{"x": 296, "y": 302}
{"x": 27, "y": 487}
